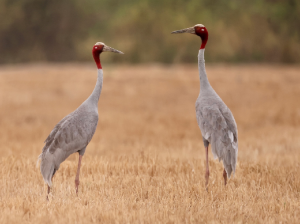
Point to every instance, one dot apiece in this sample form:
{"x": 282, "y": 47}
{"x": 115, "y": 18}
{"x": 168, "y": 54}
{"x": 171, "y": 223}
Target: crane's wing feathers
{"x": 72, "y": 133}
{"x": 52, "y": 134}
{"x": 218, "y": 126}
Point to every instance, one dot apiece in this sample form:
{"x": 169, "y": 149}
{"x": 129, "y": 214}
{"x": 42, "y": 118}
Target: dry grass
{"x": 145, "y": 163}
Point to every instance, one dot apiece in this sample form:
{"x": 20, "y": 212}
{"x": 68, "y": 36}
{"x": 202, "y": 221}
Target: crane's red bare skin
{"x": 97, "y": 50}
{"x": 203, "y": 34}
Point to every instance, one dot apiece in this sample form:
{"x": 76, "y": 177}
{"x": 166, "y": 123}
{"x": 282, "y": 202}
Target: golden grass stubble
{"x": 145, "y": 162}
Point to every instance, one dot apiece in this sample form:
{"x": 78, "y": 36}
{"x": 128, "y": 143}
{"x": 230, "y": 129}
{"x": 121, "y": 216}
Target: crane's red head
{"x": 100, "y": 47}
{"x": 200, "y": 30}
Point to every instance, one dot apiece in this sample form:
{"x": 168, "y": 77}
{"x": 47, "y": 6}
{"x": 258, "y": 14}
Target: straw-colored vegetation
{"x": 145, "y": 163}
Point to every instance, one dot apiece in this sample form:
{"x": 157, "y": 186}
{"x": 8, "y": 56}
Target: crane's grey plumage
{"x": 74, "y": 132}
{"x": 216, "y": 121}
{"x": 214, "y": 118}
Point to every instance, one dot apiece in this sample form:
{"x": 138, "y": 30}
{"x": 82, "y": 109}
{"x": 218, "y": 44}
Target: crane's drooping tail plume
{"x": 47, "y": 167}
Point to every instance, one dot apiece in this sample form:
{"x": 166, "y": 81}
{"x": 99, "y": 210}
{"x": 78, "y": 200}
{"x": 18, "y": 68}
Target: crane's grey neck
{"x": 204, "y": 83}
{"x": 94, "y": 97}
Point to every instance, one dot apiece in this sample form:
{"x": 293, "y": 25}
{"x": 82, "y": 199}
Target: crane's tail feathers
{"x": 229, "y": 170}
{"x": 226, "y": 151}
{"x": 47, "y": 172}
{"x": 47, "y": 168}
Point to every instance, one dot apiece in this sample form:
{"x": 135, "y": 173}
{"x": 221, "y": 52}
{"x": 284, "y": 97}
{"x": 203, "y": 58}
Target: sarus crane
{"x": 214, "y": 118}
{"x": 74, "y": 132}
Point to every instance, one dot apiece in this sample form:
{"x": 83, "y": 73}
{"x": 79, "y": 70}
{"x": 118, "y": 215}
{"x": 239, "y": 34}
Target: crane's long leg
{"x": 207, "y": 168}
{"x": 225, "y": 177}
{"x": 77, "y": 174}
{"x": 49, "y": 188}
{"x": 48, "y": 193}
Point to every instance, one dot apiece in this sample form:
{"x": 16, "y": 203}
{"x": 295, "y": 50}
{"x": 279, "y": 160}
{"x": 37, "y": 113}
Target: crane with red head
{"x": 74, "y": 132}
{"x": 214, "y": 118}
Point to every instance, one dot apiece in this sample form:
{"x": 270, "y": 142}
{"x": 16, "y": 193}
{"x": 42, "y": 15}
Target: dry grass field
{"x": 145, "y": 163}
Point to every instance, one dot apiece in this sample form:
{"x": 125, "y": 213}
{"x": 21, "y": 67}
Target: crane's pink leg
{"x": 225, "y": 177}
{"x": 77, "y": 175}
{"x": 49, "y": 189}
{"x": 207, "y": 168}
{"x": 48, "y": 193}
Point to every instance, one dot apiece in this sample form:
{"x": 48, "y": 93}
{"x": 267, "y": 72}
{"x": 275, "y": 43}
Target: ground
{"x": 145, "y": 163}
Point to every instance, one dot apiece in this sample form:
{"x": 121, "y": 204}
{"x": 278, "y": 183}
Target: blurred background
{"x": 239, "y": 31}
{"x": 146, "y": 161}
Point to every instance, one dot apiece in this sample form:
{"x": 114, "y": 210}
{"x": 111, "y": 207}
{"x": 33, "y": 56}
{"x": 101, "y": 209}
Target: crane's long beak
{"x": 107, "y": 48}
{"x": 186, "y": 30}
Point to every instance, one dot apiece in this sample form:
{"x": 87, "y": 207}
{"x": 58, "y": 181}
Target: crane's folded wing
{"x": 72, "y": 133}
{"x": 219, "y": 128}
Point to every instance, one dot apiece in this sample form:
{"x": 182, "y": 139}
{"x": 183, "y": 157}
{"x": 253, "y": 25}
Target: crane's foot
{"x": 206, "y": 179}
{"x": 225, "y": 177}
{"x": 77, "y": 182}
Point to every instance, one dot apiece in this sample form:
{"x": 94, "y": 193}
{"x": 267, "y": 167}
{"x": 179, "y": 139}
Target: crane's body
{"x": 216, "y": 121}
{"x": 214, "y": 118}
{"x": 74, "y": 132}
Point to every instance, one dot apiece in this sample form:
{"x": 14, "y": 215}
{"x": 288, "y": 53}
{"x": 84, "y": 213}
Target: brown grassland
{"x": 145, "y": 163}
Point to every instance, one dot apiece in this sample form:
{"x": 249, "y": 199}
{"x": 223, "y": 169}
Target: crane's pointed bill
{"x": 186, "y": 30}
{"x": 110, "y": 49}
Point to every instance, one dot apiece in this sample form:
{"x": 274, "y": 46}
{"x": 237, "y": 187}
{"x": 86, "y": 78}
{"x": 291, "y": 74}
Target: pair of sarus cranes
{"x": 74, "y": 132}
